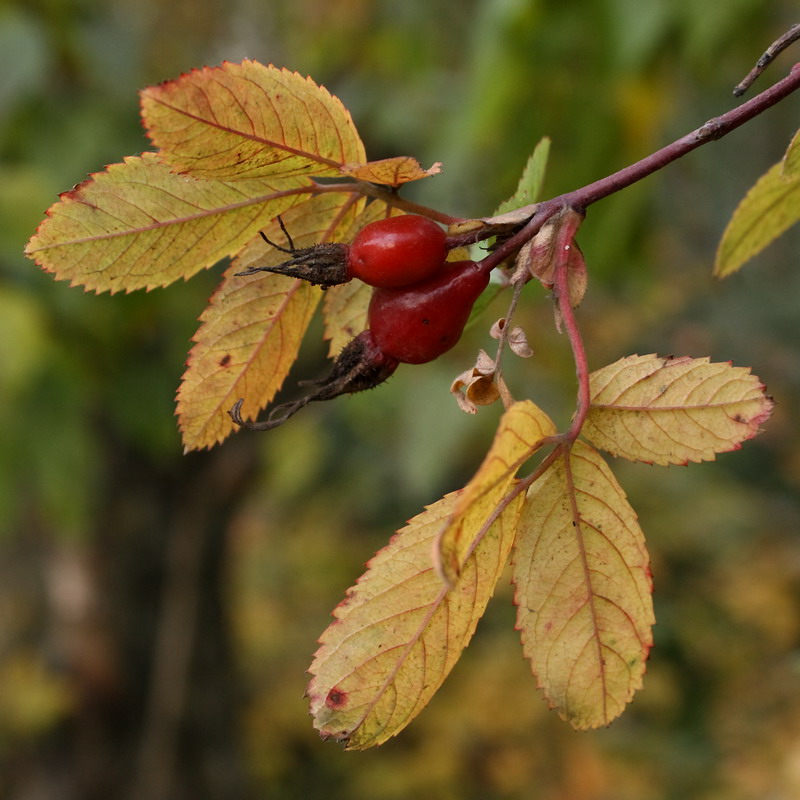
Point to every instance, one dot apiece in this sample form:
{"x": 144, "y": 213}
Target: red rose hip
{"x": 416, "y": 324}
{"x": 397, "y": 251}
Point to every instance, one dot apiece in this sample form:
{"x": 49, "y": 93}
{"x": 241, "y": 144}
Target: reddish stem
{"x": 565, "y": 239}
{"x": 582, "y": 198}
{"x": 712, "y": 130}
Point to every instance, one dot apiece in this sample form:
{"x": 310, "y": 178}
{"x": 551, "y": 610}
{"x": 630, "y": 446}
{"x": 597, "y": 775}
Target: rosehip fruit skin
{"x": 397, "y": 251}
{"x": 416, "y": 324}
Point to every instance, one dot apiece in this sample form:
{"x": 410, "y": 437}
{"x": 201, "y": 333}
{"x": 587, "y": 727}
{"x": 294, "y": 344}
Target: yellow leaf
{"x": 246, "y": 345}
{"x": 139, "y": 225}
{"x": 583, "y": 589}
{"x": 391, "y": 171}
{"x": 252, "y": 329}
{"x": 767, "y": 210}
{"x": 241, "y": 121}
{"x": 673, "y": 410}
{"x": 345, "y": 312}
{"x": 399, "y": 631}
{"x": 521, "y": 432}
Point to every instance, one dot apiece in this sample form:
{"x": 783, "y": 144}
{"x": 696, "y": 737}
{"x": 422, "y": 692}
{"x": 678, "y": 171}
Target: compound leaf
{"x": 399, "y": 631}
{"x": 252, "y": 329}
{"x": 247, "y": 120}
{"x": 583, "y": 589}
{"x": 139, "y": 225}
{"x": 767, "y": 210}
{"x": 673, "y": 410}
{"x": 520, "y": 433}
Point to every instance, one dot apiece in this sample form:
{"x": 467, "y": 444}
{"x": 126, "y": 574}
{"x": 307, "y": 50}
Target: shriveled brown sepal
{"x": 321, "y": 264}
{"x": 360, "y": 366}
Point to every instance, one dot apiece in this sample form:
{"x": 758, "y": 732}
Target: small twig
{"x": 503, "y": 340}
{"x": 777, "y": 47}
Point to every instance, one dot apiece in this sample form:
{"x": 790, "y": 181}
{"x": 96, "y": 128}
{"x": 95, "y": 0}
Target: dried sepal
{"x": 360, "y": 366}
{"x": 323, "y": 264}
{"x": 478, "y": 386}
{"x": 391, "y": 171}
{"x": 539, "y": 257}
{"x": 516, "y": 338}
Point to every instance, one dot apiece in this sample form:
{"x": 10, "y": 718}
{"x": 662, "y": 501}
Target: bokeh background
{"x": 158, "y": 610}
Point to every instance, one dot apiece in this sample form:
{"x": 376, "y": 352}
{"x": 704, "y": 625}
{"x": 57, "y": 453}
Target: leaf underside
{"x": 791, "y": 160}
{"x": 391, "y": 171}
{"x": 583, "y": 589}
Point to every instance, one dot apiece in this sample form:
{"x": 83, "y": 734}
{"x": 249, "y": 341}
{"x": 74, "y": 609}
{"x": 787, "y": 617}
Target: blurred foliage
{"x": 95, "y": 494}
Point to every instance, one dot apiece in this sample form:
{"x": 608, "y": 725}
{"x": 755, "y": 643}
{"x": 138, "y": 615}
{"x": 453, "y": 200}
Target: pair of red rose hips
{"x": 419, "y": 306}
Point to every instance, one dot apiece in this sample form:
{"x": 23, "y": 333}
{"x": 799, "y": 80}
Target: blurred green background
{"x": 158, "y": 611}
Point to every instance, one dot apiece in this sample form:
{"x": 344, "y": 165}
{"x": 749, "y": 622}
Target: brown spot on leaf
{"x": 336, "y": 698}
{"x": 225, "y": 360}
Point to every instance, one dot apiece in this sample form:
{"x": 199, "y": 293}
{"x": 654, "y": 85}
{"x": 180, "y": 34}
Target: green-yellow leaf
{"x": 530, "y": 184}
{"x": 252, "y": 329}
{"x": 791, "y": 160}
{"x": 673, "y": 410}
{"x": 139, "y": 225}
{"x": 399, "y": 631}
{"x": 243, "y": 121}
{"x": 583, "y": 589}
{"x": 770, "y": 208}
{"x": 520, "y": 433}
